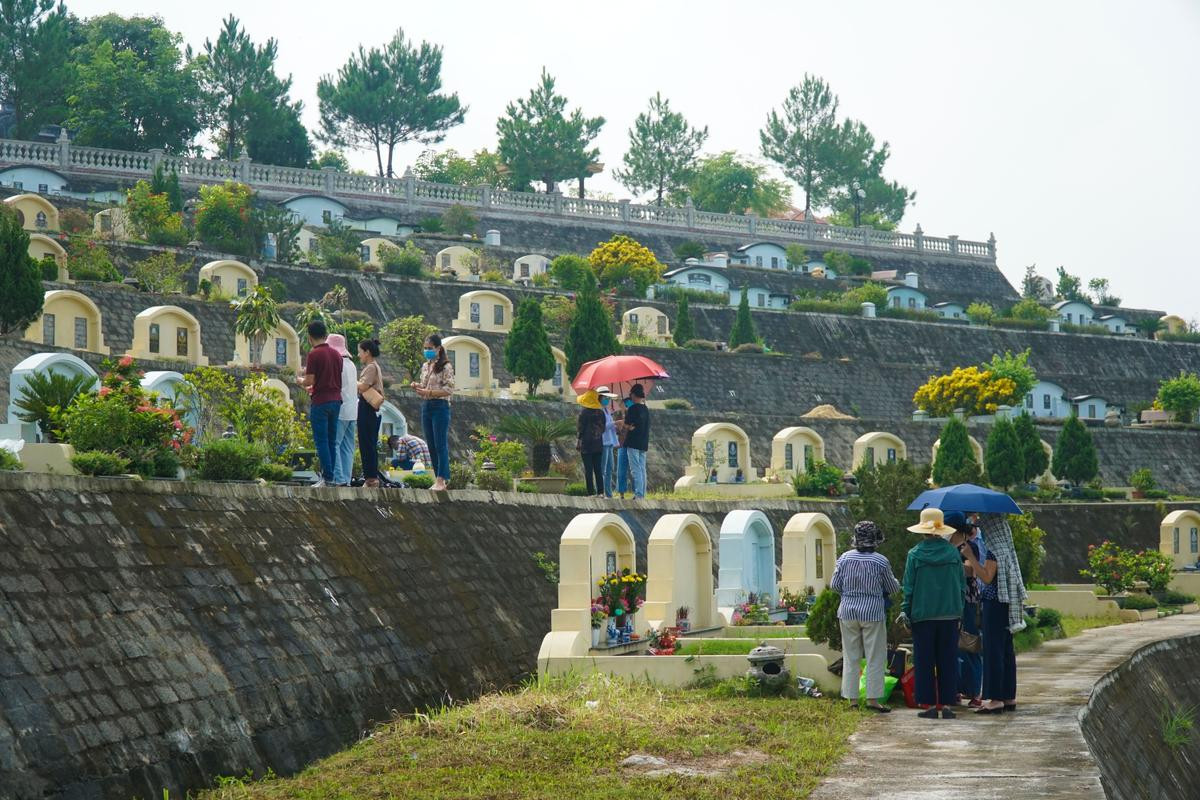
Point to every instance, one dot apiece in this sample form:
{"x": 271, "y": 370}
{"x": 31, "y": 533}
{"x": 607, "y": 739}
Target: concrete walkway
{"x": 1036, "y": 752}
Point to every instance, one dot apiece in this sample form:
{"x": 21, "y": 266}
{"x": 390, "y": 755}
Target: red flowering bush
{"x": 1117, "y": 569}
{"x": 122, "y": 418}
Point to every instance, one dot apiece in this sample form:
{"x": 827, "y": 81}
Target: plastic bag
{"x": 889, "y": 684}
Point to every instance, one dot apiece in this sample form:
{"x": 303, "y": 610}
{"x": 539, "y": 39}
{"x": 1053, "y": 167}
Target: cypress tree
{"x": 174, "y": 193}
{"x": 1033, "y": 456}
{"x": 685, "y": 329}
{"x": 527, "y": 353}
{"x": 20, "y": 277}
{"x": 955, "y": 462}
{"x": 743, "y": 326}
{"x": 1075, "y": 453}
{"x": 1005, "y": 464}
{"x": 590, "y": 334}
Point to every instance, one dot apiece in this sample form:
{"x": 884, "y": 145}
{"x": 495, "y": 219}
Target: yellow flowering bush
{"x": 625, "y": 262}
{"x": 978, "y": 391}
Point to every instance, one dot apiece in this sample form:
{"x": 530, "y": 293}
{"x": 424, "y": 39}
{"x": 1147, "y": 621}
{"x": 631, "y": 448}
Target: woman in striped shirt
{"x": 864, "y": 580}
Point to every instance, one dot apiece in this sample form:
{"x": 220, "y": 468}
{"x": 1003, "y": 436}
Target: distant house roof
{"x": 755, "y": 244}
{"x": 904, "y": 286}
{"x": 1111, "y": 316}
{"x": 947, "y": 304}
{"x": 1083, "y": 397}
{"x": 1062, "y": 303}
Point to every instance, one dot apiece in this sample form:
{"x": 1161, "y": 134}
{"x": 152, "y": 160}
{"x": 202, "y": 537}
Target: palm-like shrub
{"x": 539, "y": 434}
{"x": 46, "y": 396}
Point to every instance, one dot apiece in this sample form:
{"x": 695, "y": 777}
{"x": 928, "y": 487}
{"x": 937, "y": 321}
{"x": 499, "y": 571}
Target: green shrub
{"x": 1156, "y": 494}
{"x": 346, "y": 261}
{"x": 576, "y": 490}
{"x": 672, "y": 293}
{"x": 1171, "y": 597}
{"x": 458, "y": 220}
{"x": 89, "y": 261}
{"x": 689, "y": 249}
{"x": 430, "y": 224}
{"x": 526, "y": 488}
{"x": 49, "y": 269}
{"x": 699, "y": 344}
{"x": 230, "y": 460}
{"x": 678, "y": 404}
{"x": 1142, "y": 479}
{"x": 494, "y": 480}
{"x": 1021, "y": 324}
{"x": 819, "y": 306}
{"x": 419, "y": 481}
{"x": 1087, "y": 493}
{"x": 407, "y": 260}
{"x": 819, "y": 480}
{"x": 1154, "y": 567}
{"x": 46, "y": 396}
{"x": 1095, "y": 330}
{"x": 9, "y": 462}
{"x": 165, "y": 464}
{"x": 1114, "y": 494}
{"x": 1027, "y": 541}
{"x": 275, "y": 473}
{"x": 509, "y": 458}
{"x": 1049, "y": 618}
{"x": 1138, "y": 602}
{"x": 461, "y": 474}
{"x": 822, "y": 625}
{"x": 749, "y": 347}
{"x": 98, "y": 462}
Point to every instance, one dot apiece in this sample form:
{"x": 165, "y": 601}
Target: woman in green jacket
{"x": 933, "y": 604}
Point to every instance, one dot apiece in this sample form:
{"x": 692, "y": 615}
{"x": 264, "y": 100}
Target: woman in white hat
{"x": 933, "y": 606}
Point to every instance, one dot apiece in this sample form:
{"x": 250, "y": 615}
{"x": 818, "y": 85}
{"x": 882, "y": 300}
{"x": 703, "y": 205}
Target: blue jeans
{"x": 324, "y": 417}
{"x": 637, "y": 470}
{"x": 622, "y": 470}
{"x": 935, "y": 661}
{"x": 970, "y": 665}
{"x": 343, "y": 456}
{"x": 608, "y": 460}
{"x": 999, "y": 658}
{"x": 435, "y": 422}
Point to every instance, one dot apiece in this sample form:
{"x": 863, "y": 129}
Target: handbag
{"x": 969, "y": 642}
{"x": 373, "y": 396}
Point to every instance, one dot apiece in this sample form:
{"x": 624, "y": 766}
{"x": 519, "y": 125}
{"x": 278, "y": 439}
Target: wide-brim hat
{"x": 932, "y": 523}
{"x": 604, "y": 391}
{"x": 338, "y": 343}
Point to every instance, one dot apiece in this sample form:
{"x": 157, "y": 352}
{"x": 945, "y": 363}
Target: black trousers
{"x": 593, "y": 472}
{"x": 368, "y": 439}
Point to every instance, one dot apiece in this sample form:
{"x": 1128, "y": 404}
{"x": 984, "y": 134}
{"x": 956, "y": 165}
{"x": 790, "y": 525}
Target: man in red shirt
{"x": 323, "y": 378}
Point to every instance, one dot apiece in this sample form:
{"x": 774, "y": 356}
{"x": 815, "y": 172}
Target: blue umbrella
{"x": 966, "y": 497}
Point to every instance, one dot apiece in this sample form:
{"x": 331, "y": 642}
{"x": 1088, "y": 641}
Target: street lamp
{"x": 858, "y": 195}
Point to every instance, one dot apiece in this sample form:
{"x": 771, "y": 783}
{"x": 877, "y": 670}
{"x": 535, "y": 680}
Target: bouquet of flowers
{"x": 623, "y": 592}
{"x": 599, "y": 612}
{"x": 662, "y": 641}
{"x": 755, "y": 611}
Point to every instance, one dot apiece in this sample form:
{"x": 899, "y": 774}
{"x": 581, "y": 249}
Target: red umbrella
{"x": 614, "y": 371}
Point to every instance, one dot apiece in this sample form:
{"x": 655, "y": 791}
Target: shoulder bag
{"x": 373, "y": 396}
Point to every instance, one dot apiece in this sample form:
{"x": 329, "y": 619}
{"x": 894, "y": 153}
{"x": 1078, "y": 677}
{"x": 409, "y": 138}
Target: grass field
{"x": 568, "y": 738}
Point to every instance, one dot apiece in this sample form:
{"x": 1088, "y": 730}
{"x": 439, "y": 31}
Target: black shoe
{"x": 929, "y": 713}
{"x": 948, "y": 714}
{"x": 1010, "y": 706}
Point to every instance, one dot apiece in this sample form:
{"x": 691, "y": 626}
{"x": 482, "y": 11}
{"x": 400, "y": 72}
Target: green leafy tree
{"x": 1015, "y": 367}
{"x": 36, "y": 37}
{"x": 726, "y": 184}
{"x": 402, "y": 340}
{"x": 447, "y": 166}
{"x": 1005, "y": 459}
{"x": 662, "y": 151}
{"x": 1075, "y": 453}
{"x": 1034, "y": 458}
{"x": 150, "y": 215}
{"x": 384, "y": 97}
{"x": 1150, "y": 326}
{"x": 354, "y": 329}
{"x": 160, "y": 273}
{"x": 257, "y": 316}
{"x": 981, "y": 313}
{"x": 527, "y": 353}
{"x": 1180, "y": 396}
{"x": 743, "y": 325}
{"x": 20, "y": 277}
{"x": 458, "y": 220}
{"x": 689, "y": 249}
{"x": 134, "y": 88}
{"x": 1031, "y": 284}
{"x": 1102, "y": 292}
{"x": 802, "y": 139}
{"x": 797, "y": 256}
{"x": 273, "y": 219}
{"x": 590, "y": 334}
{"x": 955, "y": 461}
{"x": 331, "y": 158}
{"x": 224, "y": 218}
{"x": 275, "y": 133}
{"x": 572, "y": 272}
{"x": 540, "y": 141}
{"x": 1030, "y": 310}
{"x": 859, "y": 164}
{"x": 685, "y": 327}
{"x": 1069, "y": 287}
{"x": 884, "y": 492}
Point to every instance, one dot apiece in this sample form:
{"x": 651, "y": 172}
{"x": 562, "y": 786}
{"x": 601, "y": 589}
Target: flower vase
{"x": 614, "y": 633}
{"x": 596, "y": 636}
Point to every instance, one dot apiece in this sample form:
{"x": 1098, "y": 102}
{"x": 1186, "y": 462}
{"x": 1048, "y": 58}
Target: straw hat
{"x": 604, "y": 391}
{"x": 932, "y": 523}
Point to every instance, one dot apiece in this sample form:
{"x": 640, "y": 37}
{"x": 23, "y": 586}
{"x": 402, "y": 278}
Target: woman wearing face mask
{"x": 590, "y": 440}
{"x": 610, "y": 440}
{"x": 435, "y": 386}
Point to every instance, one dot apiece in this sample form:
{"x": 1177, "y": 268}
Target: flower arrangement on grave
{"x": 623, "y": 593}
{"x": 755, "y": 611}
{"x": 681, "y": 619}
{"x": 662, "y": 641}
{"x": 599, "y": 612}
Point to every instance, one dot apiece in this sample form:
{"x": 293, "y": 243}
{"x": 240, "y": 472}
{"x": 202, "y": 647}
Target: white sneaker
{"x": 318, "y": 483}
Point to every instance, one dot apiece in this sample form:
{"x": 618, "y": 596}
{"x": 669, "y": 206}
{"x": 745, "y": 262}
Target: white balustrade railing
{"x": 66, "y": 157}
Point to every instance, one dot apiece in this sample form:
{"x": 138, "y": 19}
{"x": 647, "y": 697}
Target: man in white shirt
{"x": 347, "y": 422}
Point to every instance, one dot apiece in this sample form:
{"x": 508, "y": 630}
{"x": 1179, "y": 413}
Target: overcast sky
{"x": 1069, "y": 129}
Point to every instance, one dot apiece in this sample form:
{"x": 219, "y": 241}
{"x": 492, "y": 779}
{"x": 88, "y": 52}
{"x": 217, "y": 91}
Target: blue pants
{"x": 435, "y": 422}
{"x": 935, "y": 661}
{"x": 637, "y": 470}
{"x": 606, "y": 466}
{"x": 324, "y": 417}
{"x": 999, "y": 657}
{"x": 622, "y": 470}
{"x": 344, "y": 451}
{"x": 970, "y": 665}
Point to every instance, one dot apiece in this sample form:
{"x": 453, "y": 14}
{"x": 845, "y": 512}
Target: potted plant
{"x": 540, "y": 435}
{"x": 796, "y": 605}
{"x": 681, "y": 619}
{"x": 1142, "y": 481}
{"x": 599, "y": 617}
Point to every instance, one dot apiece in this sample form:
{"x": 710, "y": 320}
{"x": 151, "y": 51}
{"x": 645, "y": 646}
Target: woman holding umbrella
{"x": 1003, "y": 597}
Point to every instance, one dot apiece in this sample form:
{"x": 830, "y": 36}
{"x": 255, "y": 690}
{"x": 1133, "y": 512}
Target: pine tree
{"x": 590, "y": 335}
{"x": 527, "y": 353}
{"x": 685, "y": 329}
{"x": 743, "y": 326}
{"x": 174, "y": 193}
{"x": 1033, "y": 455}
{"x": 1005, "y": 464}
{"x": 955, "y": 461}
{"x": 1075, "y": 453}
{"x": 20, "y": 277}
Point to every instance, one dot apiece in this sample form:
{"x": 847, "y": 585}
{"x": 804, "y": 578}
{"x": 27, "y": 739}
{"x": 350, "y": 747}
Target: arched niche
{"x": 42, "y": 247}
{"x": 976, "y": 448}
{"x": 793, "y": 448}
{"x": 281, "y": 348}
{"x": 229, "y": 278}
{"x": 34, "y": 212}
{"x": 111, "y": 223}
{"x": 1172, "y": 323}
{"x": 462, "y": 262}
{"x": 528, "y": 267}
{"x": 879, "y": 447}
{"x": 46, "y": 364}
{"x": 809, "y": 553}
{"x": 646, "y": 322}
{"x": 164, "y": 383}
{"x": 69, "y": 319}
{"x": 392, "y": 421}
{"x": 472, "y": 362}
{"x": 167, "y": 332}
{"x": 484, "y": 310}
{"x": 368, "y": 250}
{"x": 723, "y": 447}
{"x": 557, "y": 384}
{"x": 1179, "y": 537}
{"x": 679, "y": 572}
{"x": 591, "y": 546}
{"x": 747, "y": 555}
